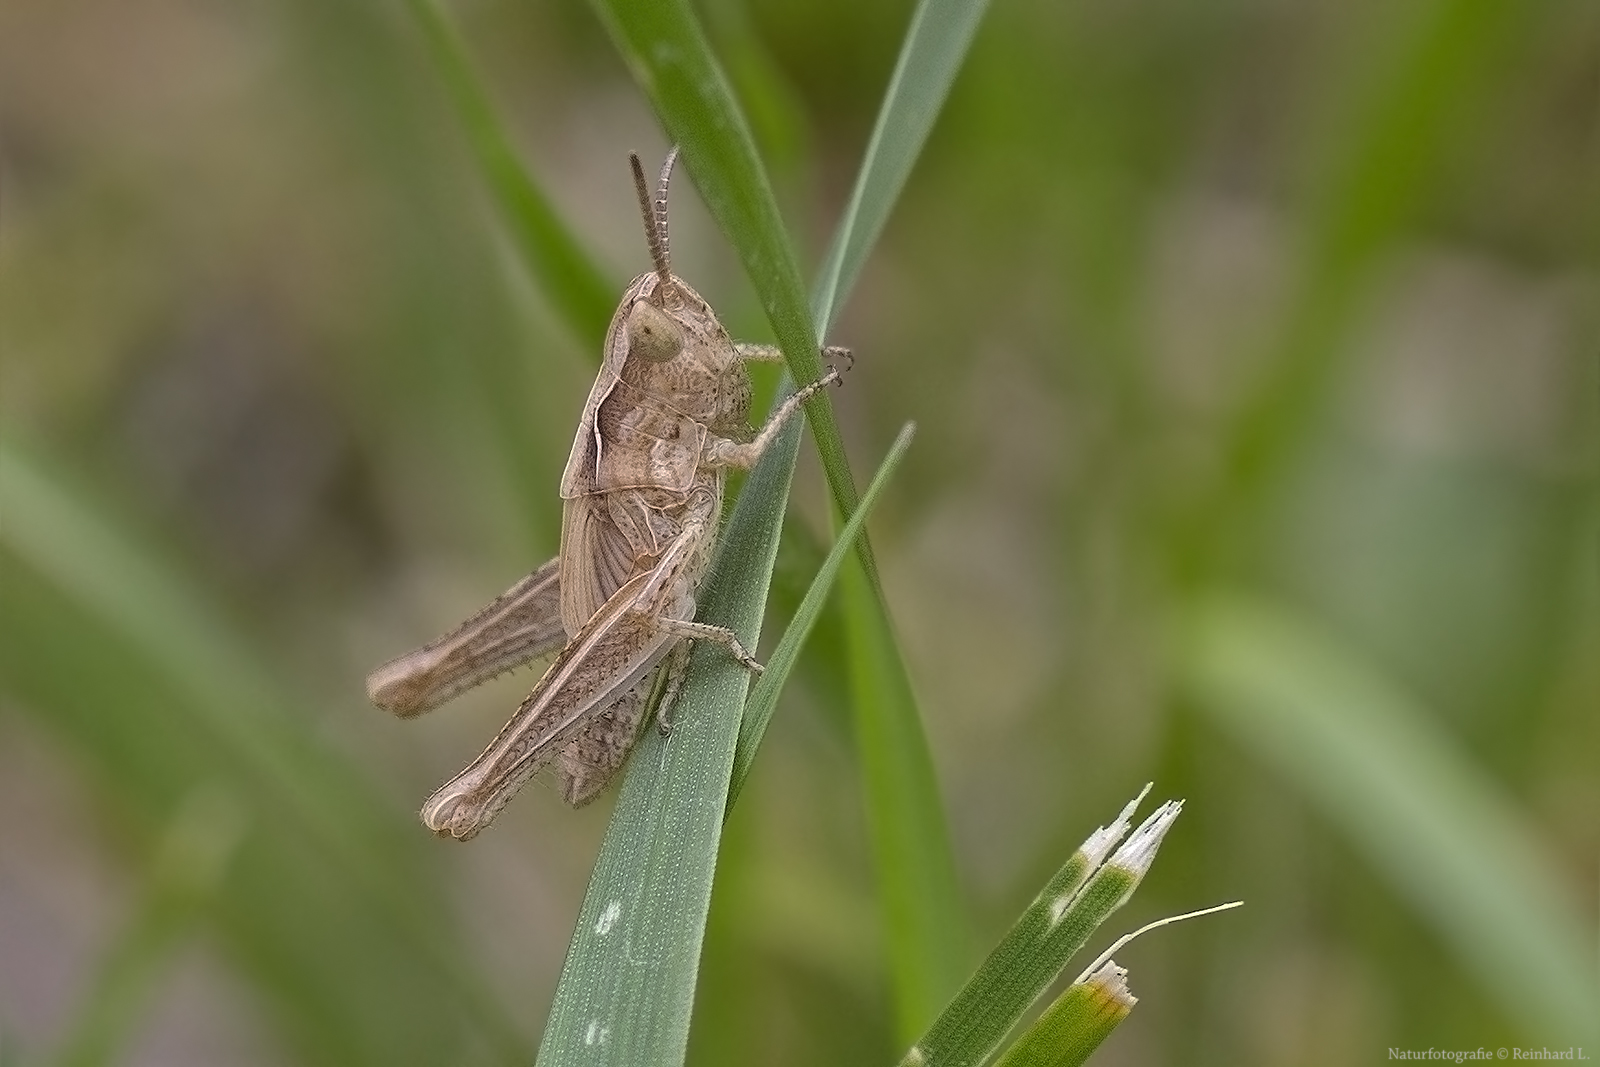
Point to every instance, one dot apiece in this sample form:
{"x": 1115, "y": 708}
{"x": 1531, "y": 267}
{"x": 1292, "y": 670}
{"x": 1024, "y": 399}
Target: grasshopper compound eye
{"x": 652, "y": 335}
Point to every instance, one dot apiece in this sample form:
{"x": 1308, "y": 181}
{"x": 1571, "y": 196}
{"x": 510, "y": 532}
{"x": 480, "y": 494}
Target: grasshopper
{"x": 642, "y": 497}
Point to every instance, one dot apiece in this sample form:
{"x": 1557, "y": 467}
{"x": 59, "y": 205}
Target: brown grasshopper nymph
{"x": 642, "y": 497}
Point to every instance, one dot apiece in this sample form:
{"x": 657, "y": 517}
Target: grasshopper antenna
{"x": 661, "y": 197}
{"x": 655, "y": 216}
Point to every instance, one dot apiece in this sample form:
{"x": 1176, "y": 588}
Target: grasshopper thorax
{"x": 681, "y": 359}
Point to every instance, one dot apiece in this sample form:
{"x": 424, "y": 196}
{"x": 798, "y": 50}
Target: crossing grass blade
{"x": 936, "y": 43}
{"x": 576, "y": 287}
{"x": 764, "y": 697}
{"x": 920, "y": 898}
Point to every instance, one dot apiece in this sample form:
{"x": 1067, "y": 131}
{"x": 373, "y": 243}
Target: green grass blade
{"x": 935, "y": 46}
{"x": 577, "y": 288}
{"x": 764, "y": 697}
{"x": 777, "y": 114}
{"x": 1075, "y": 1024}
{"x": 1370, "y": 759}
{"x": 924, "y": 924}
{"x": 171, "y": 701}
{"x": 924, "y": 920}
{"x": 627, "y": 987}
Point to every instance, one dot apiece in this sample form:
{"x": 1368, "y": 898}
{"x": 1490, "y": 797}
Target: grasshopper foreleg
{"x": 721, "y": 452}
{"x": 759, "y": 353}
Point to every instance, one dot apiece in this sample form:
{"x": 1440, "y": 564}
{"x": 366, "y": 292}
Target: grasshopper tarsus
{"x": 836, "y": 354}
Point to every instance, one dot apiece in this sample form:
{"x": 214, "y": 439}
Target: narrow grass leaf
{"x": 576, "y": 287}
{"x": 919, "y": 894}
{"x": 770, "y": 98}
{"x": 924, "y": 925}
{"x": 1372, "y": 760}
{"x": 934, "y": 48}
{"x": 1075, "y": 1024}
{"x": 764, "y": 697}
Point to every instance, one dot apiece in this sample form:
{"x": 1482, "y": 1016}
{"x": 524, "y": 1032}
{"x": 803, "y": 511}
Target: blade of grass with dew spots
{"x": 627, "y": 987}
{"x": 1368, "y": 757}
{"x": 764, "y": 697}
{"x": 665, "y": 48}
{"x": 577, "y": 288}
{"x": 125, "y": 659}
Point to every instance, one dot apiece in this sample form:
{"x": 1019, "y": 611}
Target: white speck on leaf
{"x": 608, "y": 918}
{"x": 1058, "y": 908}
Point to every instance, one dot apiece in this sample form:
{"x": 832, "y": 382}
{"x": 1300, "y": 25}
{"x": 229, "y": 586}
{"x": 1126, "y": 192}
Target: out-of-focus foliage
{"x": 1188, "y": 300}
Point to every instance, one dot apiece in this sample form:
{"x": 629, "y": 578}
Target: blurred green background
{"x": 1253, "y": 351}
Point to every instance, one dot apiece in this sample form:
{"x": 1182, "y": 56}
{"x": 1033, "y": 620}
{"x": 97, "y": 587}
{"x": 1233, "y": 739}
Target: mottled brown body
{"x": 642, "y": 496}
{"x": 646, "y": 441}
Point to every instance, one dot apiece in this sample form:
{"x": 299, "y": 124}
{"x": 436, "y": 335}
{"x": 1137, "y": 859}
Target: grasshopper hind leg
{"x": 594, "y": 757}
{"x": 673, "y": 672}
